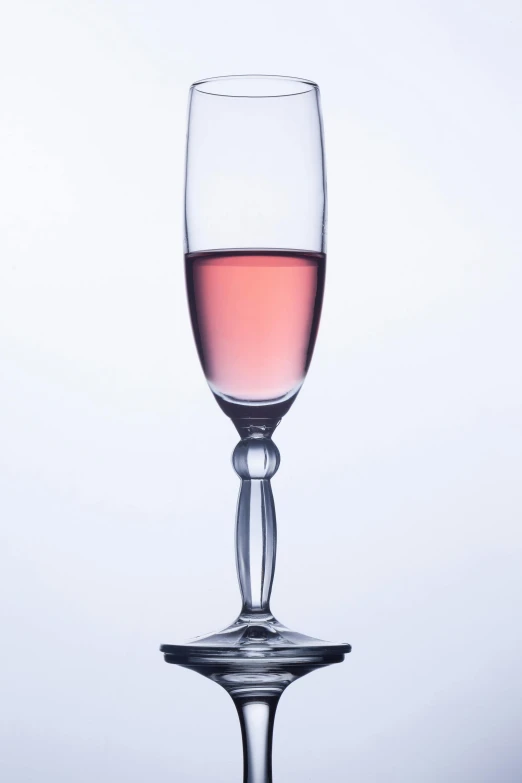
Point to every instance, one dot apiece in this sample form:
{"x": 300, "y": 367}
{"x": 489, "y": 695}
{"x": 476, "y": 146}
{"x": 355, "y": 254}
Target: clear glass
{"x": 255, "y": 261}
{"x": 255, "y": 175}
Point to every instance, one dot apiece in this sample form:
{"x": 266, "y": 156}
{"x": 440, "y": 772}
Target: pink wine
{"x": 255, "y": 315}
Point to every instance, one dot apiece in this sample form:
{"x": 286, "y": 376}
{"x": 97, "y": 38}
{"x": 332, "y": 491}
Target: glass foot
{"x": 255, "y": 659}
{"x": 258, "y": 645}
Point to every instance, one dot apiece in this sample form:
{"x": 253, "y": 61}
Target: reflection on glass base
{"x": 255, "y": 656}
{"x": 255, "y": 660}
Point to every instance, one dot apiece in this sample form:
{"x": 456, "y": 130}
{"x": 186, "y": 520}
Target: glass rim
{"x": 232, "y": 86}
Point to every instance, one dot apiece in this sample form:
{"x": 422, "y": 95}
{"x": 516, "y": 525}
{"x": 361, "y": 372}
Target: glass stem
{"x": 256, "y": 716}
{"x": 255, "y": 460}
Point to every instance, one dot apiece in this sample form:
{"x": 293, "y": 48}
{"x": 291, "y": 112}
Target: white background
{"x": 399, "y": 496}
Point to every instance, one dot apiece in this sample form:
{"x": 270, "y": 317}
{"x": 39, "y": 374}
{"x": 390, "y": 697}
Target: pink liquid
{"x": 255, "y": 315}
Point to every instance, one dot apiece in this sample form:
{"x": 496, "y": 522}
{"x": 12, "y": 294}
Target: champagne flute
{"x": 255, "y": 241}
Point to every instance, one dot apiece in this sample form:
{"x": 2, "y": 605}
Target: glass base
{"x": 255, "y": 654}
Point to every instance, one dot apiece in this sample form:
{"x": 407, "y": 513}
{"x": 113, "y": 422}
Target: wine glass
{"x": 255, "y": 232}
